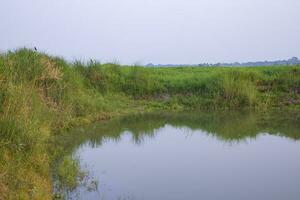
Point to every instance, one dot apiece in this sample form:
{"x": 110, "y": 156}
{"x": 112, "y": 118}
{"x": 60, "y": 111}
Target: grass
{"x": 41, "y": 95}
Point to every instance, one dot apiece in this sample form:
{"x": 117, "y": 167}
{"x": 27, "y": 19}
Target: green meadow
{"x": 42, "y": 96}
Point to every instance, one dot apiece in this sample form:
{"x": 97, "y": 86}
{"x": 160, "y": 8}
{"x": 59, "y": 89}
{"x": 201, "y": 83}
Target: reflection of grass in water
{"x": 227, "y": 126}
{"x": 69, "y": 175}
{"x": 68, "y": 171}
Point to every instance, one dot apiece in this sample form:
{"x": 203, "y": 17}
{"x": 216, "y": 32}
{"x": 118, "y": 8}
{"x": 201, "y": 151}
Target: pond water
{"x": 228, "y": 156}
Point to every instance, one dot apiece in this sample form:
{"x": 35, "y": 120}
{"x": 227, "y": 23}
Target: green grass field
{"x": 42, "y": 95}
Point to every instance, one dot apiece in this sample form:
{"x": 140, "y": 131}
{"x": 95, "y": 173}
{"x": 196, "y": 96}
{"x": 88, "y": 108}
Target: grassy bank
{"x": 42, "y": 95}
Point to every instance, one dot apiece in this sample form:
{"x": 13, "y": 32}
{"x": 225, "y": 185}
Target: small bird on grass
{"x": 35, "y": 49}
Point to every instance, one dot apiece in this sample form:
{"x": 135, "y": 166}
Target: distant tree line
{"x": 291, "y": 61}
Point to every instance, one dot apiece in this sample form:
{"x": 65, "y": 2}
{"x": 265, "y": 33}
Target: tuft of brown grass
{"x": 50, "y": 70}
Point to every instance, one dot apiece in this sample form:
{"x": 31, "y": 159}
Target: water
{"x": 207, "y": 156}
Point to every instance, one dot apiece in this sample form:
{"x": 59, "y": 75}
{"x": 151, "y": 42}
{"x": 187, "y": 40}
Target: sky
{"x": 156, "y": 31}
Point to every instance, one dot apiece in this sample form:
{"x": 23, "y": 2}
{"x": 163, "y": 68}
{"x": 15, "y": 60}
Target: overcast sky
{"x": 158, "y": 31}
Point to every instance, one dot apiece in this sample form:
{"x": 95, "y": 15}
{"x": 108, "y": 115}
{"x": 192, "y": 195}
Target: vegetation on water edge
{"x": 41, "y": 95}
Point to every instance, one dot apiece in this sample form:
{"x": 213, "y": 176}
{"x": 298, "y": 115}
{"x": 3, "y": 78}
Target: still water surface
{"x": 224, "y": 156}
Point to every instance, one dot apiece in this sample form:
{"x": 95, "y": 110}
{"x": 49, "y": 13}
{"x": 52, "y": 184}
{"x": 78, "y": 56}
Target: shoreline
{"x": 42, "y": 96}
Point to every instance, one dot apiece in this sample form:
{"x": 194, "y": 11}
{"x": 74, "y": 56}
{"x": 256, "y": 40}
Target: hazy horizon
{"x": 160, "y": 32}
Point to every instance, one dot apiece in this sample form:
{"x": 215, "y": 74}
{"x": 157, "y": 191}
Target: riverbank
{"x": 42, "y": 95}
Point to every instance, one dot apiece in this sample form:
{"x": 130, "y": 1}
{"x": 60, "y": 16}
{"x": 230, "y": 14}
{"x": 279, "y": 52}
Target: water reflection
{"x": 220, "y": 155}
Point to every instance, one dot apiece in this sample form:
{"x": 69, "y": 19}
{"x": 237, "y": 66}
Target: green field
{"x": 41, "y": 96}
